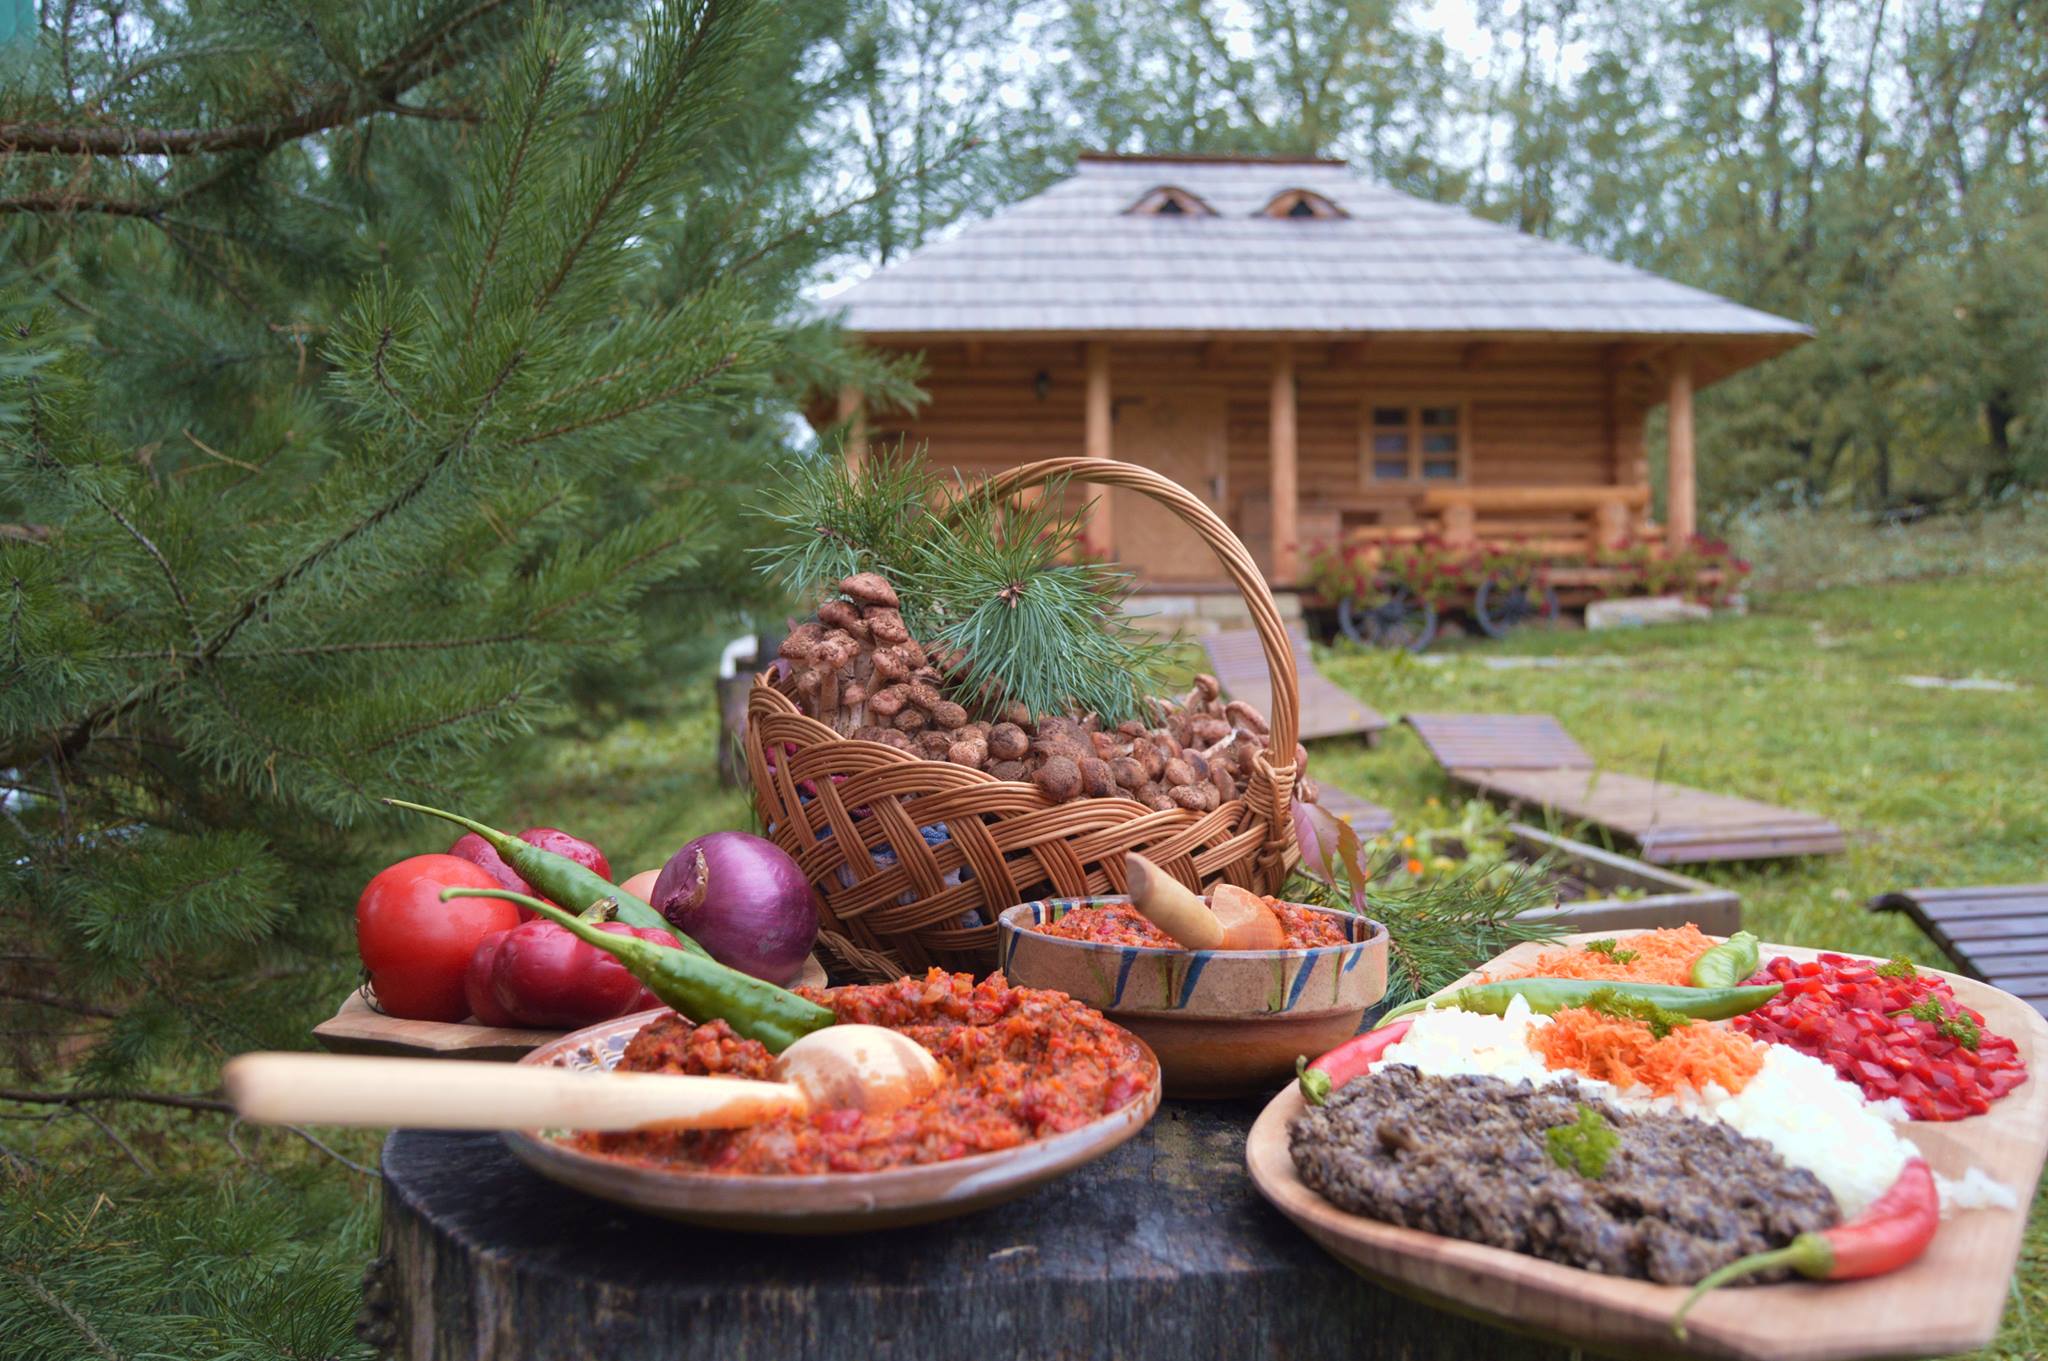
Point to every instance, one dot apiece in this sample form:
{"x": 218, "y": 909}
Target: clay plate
{"x": 1948, "y": 1301}
{"x": 359, "y": 1028}
{"x": 846, "y": 1202}
{"x": 1223, "y": 1022}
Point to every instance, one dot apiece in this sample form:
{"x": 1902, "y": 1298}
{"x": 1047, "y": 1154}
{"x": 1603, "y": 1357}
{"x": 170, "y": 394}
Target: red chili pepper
{"x": 1348, "y": 1060}
{"x": 1893, "y": 1230}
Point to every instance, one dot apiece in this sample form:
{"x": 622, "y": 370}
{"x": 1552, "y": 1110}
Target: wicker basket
{"x": 939, "y": 850}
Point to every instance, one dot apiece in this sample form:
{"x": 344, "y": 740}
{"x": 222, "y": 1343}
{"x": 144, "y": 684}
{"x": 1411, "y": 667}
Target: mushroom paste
{"x": 1475, "y": 1158}
{"x": 1121, "y": 924}
{"x": 1020, "y": 1064}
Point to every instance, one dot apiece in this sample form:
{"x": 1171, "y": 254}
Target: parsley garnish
{"x": 1584, "y": 1146}
{"x": 1960, "y": 1027}
{"x": 1898, "y": 967}
{"x": 1608, "y": 948}
{"x": 1661, "y": 1020}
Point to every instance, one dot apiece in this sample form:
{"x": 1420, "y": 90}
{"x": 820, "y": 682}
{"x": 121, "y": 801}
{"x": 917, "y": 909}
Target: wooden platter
{"x": 1948, "y": 1301}
{"x": 843, "y": 1202}
{"x": 359, "y": 1028}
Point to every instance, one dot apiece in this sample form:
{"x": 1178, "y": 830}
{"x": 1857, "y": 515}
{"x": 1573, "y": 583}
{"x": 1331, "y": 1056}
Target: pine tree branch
{"x": 651, "y": 126}
{"x": 620, "y": 413}
{"x": 185, "y": 1101}
{"x": 514, "y": 173}
{"x": 330, "y": 106}
{"x": 46, "y": 999}
{"x": 34, "y": 1286}
{"x": 503, "y": 701}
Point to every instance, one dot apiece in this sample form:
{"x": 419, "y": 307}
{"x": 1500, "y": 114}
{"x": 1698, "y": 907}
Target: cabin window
{"x": 1298, "y": 204}
{"x": 1419, "y": 441}
{"x": 1168, "y": 201}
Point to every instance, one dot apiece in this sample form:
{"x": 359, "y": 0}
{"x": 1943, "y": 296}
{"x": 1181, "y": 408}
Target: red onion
{"x": 744, "y": 900}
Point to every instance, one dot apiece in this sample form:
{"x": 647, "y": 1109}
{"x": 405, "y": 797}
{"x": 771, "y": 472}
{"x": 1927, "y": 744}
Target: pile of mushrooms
{"x": 857, "y": 668}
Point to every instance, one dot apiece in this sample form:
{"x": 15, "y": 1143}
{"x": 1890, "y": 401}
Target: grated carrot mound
{"x": 1664, "y": 956}
{"x": 1622, "y": 1050}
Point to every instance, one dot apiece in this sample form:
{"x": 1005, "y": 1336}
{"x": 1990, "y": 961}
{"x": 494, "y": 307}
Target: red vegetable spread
{"x": 1021, "y": 1064}
{"x": 1121, "y": 924}
{"x": 1942, "y": 1063}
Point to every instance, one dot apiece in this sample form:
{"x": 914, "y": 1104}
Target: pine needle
{"x": 1441, "y": 928}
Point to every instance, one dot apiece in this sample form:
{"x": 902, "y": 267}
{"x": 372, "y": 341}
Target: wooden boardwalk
{"x": 1367, "y": 818}
{"x": 1996, "y": 932}
{"x": 1529, "y": 759}
{"x": 1327, "y": 709}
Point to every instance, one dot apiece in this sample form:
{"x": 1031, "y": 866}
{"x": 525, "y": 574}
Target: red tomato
{"x": 470, "y": 846}
{"x": 416, "y": 947}
{"x": 544, "y": 976}
{"x": 476, "y": 982}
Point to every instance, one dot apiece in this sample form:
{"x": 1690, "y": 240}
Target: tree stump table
{"x": 1162, "y": 1249}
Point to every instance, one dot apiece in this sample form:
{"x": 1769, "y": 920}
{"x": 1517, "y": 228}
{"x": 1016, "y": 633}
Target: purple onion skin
{"x": 744, "y": 900}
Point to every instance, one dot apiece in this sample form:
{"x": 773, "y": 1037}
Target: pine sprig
{"x": 830, "y": 520}
{"x": 1437, "y": 929}
{"x": 1035, "y": 627}
{"x": 1000, "y": 581}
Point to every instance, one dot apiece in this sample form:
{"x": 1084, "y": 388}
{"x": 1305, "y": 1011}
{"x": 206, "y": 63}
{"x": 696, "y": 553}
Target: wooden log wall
{"x": 1538, "y": 414}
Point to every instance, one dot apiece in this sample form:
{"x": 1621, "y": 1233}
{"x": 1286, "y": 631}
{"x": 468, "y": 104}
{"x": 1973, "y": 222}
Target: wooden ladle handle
{"x": 342, "y": 1089}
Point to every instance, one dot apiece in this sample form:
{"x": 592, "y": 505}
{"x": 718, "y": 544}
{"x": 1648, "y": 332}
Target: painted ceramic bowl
{"x": 1223, "y": 1022}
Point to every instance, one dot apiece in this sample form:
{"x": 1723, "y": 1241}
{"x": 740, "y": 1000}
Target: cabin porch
{"x": 1300, "y": 444}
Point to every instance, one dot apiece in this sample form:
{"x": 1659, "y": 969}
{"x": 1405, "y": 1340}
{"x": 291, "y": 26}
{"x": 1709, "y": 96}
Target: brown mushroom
{"x": 1096, "y": 780}
{"x": 947, "y": 714}
{"x": 971, "y": 752}
{"x": 1059, "y": 779}
{"x": 869, "y": 588}
{"x": 1008, "y": 742}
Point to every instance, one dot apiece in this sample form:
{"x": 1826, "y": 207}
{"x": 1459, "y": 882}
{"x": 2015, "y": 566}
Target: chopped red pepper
{"x": 1861, "y": 1021}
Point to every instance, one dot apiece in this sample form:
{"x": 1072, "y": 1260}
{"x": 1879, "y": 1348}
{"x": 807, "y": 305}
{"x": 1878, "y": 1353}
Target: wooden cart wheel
{"x": 1401, "y": 619}
{"x": 1509, "y": 599}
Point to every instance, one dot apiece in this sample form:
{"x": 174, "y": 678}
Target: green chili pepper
{"x": 1728, "y": 963}
{"x": 1546, "y": 995}
{"x": 696, "y": 985}
{"x": 560, "y": 878}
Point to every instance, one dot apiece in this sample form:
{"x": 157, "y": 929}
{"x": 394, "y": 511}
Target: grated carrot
{"x": 1622, "y": 1050}
{"x": 1664, "y": 956}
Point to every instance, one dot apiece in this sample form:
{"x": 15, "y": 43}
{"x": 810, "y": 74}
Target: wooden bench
{"x": 1996, "y": 932}
{"x": 1529, "y": 759}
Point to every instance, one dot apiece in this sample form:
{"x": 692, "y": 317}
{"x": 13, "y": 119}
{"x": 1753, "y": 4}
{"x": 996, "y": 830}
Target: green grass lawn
{"x": 1800, "y": 703}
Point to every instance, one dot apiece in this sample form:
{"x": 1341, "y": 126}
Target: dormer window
{"x": 1302, "y": 204}
{"x": 1167, "y": 201}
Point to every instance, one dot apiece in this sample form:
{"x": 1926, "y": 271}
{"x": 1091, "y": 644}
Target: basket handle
{"x": 1237, "y": 561}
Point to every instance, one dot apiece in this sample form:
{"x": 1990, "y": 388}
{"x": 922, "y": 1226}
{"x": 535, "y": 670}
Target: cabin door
{"x": 1180, "y": 437}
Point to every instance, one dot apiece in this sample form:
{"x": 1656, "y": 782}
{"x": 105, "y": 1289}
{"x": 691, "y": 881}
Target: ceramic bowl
{"x": 1223, "y": 1022}
{"x": 828, "y": 1203}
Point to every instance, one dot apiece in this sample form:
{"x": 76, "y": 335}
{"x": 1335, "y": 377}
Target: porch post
{"x": 853, "y": 415}
{"x": 1680, "y": 496}
{"x": 1286, "y": 486}
{"x": 1096, "y": 442}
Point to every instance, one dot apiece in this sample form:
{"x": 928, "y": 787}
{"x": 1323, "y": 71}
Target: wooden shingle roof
{"x": 1072, "y": 260}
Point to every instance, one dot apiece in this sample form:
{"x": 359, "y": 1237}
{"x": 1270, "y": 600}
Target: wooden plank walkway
{"x": 1367, "y": 819}
{"x": 1529, "y": 759}
{"x": 1327, "y": 708}
{"x": 1996, "y": 932}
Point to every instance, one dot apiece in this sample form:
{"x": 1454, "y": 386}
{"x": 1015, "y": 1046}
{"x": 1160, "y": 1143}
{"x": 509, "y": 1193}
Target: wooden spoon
{"x": 1232, "y": 919}
{"x": 860, "y": 1067}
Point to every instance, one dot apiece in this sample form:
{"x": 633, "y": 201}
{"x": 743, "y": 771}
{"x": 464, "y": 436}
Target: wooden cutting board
{"x": 1948, "y": 1301}
{"x": 359, "y": 1028}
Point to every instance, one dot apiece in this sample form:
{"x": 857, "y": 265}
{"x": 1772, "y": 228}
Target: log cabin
{"x": 1320, "y": 357}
